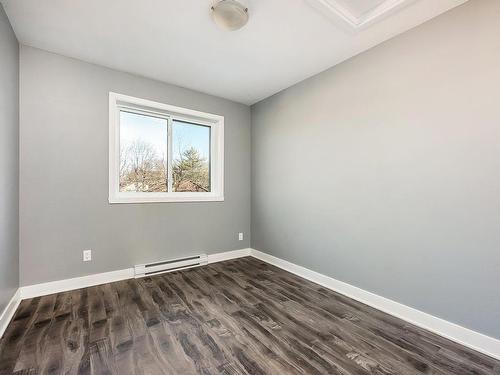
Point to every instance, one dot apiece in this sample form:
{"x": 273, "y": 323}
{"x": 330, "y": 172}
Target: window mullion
{"x": 169, "y": 156}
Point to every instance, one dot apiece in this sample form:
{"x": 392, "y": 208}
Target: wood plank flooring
{"x": 236, "y": 317}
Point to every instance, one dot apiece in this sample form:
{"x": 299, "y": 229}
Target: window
{"x": 162, "y": 153}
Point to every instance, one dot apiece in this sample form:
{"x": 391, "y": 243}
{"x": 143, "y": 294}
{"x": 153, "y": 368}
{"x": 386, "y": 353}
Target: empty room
{"x": 250, "y": 187}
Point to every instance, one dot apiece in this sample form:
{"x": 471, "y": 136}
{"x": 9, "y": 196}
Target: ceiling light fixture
{"x": 230, "y": 14}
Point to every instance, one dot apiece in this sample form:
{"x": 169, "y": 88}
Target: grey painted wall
{"x": 9, "y": 161}
{"x": 64, "y": 176}
{"x": 384, "y": 171}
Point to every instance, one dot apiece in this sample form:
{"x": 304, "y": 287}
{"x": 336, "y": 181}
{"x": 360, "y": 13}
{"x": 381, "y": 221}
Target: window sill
{"x": 184, "y": 198}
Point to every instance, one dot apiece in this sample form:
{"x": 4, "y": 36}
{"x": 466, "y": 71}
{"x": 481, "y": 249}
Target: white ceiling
{"x": 175, "y": 41}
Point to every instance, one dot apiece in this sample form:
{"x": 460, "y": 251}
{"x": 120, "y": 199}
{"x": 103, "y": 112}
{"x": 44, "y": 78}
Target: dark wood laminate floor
{"x": 237, "y": 317}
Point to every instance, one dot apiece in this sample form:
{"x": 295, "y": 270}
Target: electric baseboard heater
{"x": 156, "y": 268}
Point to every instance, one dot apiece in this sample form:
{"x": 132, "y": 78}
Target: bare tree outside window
{"x": 143, "y": 148}
{"x": 141, "y": 169}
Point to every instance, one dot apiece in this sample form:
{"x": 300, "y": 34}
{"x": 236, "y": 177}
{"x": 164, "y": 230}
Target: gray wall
{"x": 384, "y": 171}
{"x": 64, "y": 176}
{"x": 9, "y": 161}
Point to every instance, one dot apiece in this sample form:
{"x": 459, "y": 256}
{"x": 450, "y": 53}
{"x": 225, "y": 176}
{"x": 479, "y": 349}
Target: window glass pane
{"x": 143, "y": 153}
{"x": 191, "y": 157}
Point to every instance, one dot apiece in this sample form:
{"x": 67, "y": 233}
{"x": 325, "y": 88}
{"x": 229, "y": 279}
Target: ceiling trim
{"x": 388, "y": 6}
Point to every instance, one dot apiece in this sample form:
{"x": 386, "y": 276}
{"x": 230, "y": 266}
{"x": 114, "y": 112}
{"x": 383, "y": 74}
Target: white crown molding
{"x": 9, "y": 311}
{"x": 382, "y": 10}
{"x": 461, "y": 335}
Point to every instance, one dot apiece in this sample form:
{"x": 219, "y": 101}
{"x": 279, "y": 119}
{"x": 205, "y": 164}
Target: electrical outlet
{"x": 87, "y": 255}
{"x": 240, "y": 236}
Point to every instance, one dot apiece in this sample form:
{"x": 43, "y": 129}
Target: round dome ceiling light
{"x": 230, "y": 14}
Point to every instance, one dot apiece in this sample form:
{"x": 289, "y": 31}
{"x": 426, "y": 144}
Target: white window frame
{"x": 118, "y": 102}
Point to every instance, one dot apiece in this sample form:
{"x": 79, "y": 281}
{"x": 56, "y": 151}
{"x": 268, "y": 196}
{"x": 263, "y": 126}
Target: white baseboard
{"x": 8, "y": 313}
{"x": 227, "y": 255}
{"x": 58, "y": 286}
{"x": 464, "y": 336}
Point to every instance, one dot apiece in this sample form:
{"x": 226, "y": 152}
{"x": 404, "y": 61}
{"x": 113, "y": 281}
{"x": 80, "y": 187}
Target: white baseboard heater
{"x": 156, "y": 268}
